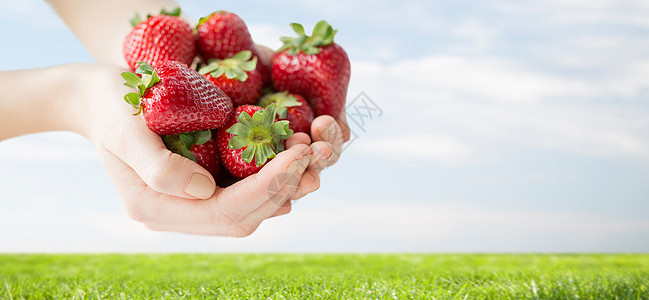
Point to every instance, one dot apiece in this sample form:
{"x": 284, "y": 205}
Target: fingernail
{"x": 323, "y": 163}
{"x": 326, "y": 159}
{"x": 200, "y": 186}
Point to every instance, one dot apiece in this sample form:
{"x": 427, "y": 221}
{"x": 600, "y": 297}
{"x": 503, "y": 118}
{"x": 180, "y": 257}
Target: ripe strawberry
{"x": 158, "y": 39}
{"x": 314, "y": 67}
{"x": 176, "y": 99}
{"x": 251, "y": 133}
{"x": 199, "y": 146}
{"x": 207, "y": 155}
{"x": 223, "y": 34}
{"x": 291, "y": 107}
{"x": 236, "y": 76}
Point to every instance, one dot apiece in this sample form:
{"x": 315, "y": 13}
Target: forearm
{"x": 102, "y": 25}
{"x": 35, "y": 100}
{"x": 56, "y": 98}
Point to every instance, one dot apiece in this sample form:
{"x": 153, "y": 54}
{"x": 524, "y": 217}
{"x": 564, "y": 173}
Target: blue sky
{"x": 506, "y": 127}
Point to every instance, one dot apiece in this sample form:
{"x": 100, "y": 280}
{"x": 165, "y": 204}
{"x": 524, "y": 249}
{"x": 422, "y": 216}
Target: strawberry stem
{"x": 282, "y": 100}
{"x": 235, "y": 67}
{"x": 182, "y": 143}
{"x": 260, "y": 135}
{"x": 322, "y": 35}
{"x": 137, "y": 19}
{"x": 206, "y": 18}
{"x": 148, "y": 79}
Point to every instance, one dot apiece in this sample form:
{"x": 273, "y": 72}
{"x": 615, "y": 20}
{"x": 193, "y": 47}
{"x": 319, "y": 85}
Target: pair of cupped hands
{"x": 168, "y": 192}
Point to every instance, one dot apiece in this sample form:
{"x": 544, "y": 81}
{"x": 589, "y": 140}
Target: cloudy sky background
{"x": 505, "y": 127}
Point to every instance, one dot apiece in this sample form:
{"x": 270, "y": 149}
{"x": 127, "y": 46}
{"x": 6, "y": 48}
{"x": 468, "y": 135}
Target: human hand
{"x": 329, "y": 134}
{"x": 168, "y": 192}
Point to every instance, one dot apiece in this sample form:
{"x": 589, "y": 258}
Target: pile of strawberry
{"x": 209, "y": 96}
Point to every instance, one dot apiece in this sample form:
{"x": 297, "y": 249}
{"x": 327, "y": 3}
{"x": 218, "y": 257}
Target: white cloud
{"x": 268, "y": 34}
{"x": 440, "y": 149}
{"x": 484, "y": 103}
{"x": 478, "y": 34}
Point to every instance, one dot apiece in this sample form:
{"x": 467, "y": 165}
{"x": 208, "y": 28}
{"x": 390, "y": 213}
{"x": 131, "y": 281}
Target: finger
{"x": 266, "y": 54}
{"x": 123, "y": 177}
{"x": 203, "y": 217}
{"x": 322, "y": 153}
{"x": 162, "y": 170}
{"x": 227, "y": 207}
{"x": 142, "y": 203}
{"x": 344, "y": 126}
{"x": 258, "y": 188}
{"x": 308, "y": 183}
{"x": 298, "y": 138}
{"x": 325, "y": 128}
{"x": 284, "y": 210}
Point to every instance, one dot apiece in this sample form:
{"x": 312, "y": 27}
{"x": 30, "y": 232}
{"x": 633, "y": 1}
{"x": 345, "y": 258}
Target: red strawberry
{"x": 223, "y": 34}
{"x": 291, "y": 107}
{"x": 158, "y": 39}
{"x": 176, "y": 99}
{"x": 236, "y": 76}
{"x": 207, "y": 156}
{"x": 199, "y": 146}
{"x": 314, "y": 67}
{"x": 250, "y": 139}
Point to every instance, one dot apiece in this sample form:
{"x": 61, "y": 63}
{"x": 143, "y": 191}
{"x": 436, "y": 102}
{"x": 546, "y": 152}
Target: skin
{"x": 153, "y": 182}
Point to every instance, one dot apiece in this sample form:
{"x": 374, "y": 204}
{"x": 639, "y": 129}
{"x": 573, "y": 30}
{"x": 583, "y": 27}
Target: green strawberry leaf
{"x": 243, "y": 55}
{"x": 174, "y": 12}
{"x": 202, "y": 136}
{"x": 144, "y": 68}
{"x": 229, "y": 73}
{"x": 258, "y": 118}
{"x": 281, "y": 100}
{"x": 175, "y": 144}
{"x": 238, "y": 129}
{"x": 187, "y": 139}
{"x": 133, "y": 99}
{"x": 269, "y": 115}
{"x": 322, "y": 35}
{"x": 206, "y": 18}
{"x": 248, "y": 153}
{"x": 248, "y": 65}
{"x": 137, "y": 19}
{"x": 131, "y": 78}
{"x": 218, "y": 72}
{"x": 245, "y": 119}
{"x": 238, "y": 141}
{"x": 320, "y": 29}
{"x": 259, "y": 134}
{"x": 235, "y": 67}
{"x": 261, "y": 157}
{"x": 298, "y": 28}
{"x": 203, "y": 20}
{"x": 149, "y": 78}
{"x": 240, "y": 74}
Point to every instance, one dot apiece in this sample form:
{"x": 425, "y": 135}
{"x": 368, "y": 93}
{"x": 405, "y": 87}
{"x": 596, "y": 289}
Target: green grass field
{"x": 329, "y": 276}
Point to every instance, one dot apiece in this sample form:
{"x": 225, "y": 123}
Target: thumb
{"x": 161, "y": 169}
